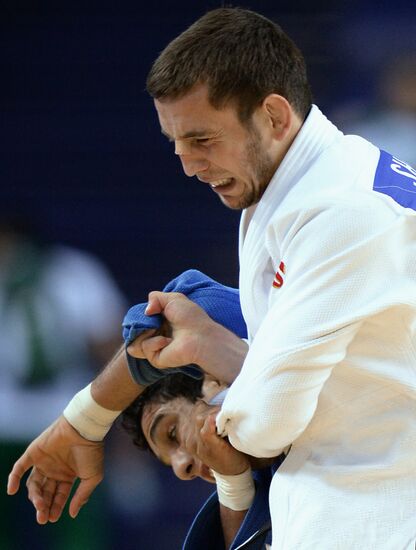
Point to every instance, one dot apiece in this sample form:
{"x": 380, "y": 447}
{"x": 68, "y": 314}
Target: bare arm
{"x": 231, "y": 521}
{"x": 114, "y": 388}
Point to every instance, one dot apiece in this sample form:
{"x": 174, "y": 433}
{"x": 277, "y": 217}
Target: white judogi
{"x": 332, "y": 361}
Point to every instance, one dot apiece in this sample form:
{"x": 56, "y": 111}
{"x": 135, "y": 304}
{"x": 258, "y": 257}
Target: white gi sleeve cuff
{"x": 235, "y": 492}
{"x": 89, "y": 419}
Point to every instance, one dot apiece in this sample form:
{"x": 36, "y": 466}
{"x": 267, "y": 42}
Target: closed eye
{"x": 202, "y": 141}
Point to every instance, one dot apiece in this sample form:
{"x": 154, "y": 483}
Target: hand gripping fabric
{"x": 222, "y": 303}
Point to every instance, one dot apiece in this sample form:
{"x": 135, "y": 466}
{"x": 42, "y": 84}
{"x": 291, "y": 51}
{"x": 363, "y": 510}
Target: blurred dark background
{"x": 82, "y": 158}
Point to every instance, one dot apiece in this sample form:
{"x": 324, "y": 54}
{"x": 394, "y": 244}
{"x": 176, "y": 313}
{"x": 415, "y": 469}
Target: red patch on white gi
{"x": 278, "y": 278}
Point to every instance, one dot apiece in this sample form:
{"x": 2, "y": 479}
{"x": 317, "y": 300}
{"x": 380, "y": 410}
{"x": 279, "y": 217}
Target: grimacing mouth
{"x": 220, "y": 183}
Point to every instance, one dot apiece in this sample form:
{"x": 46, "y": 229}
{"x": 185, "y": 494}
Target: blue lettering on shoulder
{"x": 397, "y": 179}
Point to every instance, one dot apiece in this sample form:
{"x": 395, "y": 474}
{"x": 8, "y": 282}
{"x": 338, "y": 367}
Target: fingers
{"x": 48, "y": 496}
{"x": 19, "y": 469}
{"x": 208, "y": 434}
{"x": 199, "y": 441}
{"x": 82, "y": 494}
{"x": 153, "y": 350}
{"x": 34, "y": 484}
{"x": 135, "y": 348}
{"x": 209, "y": 428}
{"x": 48, "y": 492}
{"x": 148, "y": 347}
{"x": 215, "y": 451}
{"x": 62, "y": 492}
{"x": 203, "y": 410}
{"x": 57, "y": 457}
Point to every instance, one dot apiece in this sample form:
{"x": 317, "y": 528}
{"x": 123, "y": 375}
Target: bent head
{"x": 160, "y": 420}
{"x": 240, "y": 56}
{"x": 231, "y": 92}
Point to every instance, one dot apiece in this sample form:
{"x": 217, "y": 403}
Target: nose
{"x": 191, "y": 166}
{"x": 192, "y": 162}
{"x": 183, "y": 465}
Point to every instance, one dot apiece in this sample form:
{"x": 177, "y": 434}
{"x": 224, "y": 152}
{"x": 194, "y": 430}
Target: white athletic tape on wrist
{"x": 235, "y": 492}
{"x": 90, "y": 419}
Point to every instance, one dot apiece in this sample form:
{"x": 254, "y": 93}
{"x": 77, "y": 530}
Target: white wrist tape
{"x": 90, "y": 419}
{"x": 235, "y": 492}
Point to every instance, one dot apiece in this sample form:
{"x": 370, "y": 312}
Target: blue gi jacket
{"x": 205, "y": 532}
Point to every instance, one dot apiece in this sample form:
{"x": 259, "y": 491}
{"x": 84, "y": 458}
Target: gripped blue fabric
{"x": 222, "y": 303}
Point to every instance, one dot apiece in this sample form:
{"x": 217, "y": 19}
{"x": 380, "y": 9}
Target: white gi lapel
{"x": 257, "y": 265}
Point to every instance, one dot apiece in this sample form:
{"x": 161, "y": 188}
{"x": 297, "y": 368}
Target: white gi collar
{"x": 316, "y": 134}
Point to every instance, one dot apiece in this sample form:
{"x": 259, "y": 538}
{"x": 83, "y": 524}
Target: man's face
{"x": 236, "y": 160}
{"x": 167, "y": 427}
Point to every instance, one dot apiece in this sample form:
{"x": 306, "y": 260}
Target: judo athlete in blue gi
{"x": 164, "y": 419}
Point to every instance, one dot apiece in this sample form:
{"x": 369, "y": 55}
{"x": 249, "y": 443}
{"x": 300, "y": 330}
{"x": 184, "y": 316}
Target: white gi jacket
{"x": 328, "y": 291}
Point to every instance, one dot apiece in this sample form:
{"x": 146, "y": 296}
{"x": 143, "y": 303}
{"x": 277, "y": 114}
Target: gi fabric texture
{"x": 206, "y": 531}
{"x": 222, "y": 303}
{"x": 328, "y": 291}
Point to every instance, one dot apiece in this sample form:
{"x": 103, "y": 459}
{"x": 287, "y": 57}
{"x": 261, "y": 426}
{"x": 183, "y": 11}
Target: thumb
{"x": 19, "y": 469}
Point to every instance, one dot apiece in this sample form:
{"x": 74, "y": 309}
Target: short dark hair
{"x": 240, "y": 55}
{"x": 163, "y": 391}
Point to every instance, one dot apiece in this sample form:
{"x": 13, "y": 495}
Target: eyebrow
{"x": 155, "y": 424}
{"x": 152, "y": 434}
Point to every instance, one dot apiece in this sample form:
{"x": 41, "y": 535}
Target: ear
{"x": 279, "y": 115}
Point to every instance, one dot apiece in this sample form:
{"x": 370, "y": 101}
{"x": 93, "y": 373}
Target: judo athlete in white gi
{"x": 327, "y": 286}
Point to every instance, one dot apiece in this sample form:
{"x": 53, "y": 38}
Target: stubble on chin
{"x": 260, "y": 166}
{"x": 250, "y": 197}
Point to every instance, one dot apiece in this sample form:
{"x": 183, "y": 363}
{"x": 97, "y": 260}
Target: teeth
{"x": 219, "y": 183}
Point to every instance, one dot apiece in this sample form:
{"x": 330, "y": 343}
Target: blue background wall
{"x": 81, "y": 147}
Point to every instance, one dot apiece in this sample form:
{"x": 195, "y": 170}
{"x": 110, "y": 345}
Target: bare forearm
{"x": 222, "y": 353}
{"x": 231, "y": 521}
{"x": 114, "y": 388}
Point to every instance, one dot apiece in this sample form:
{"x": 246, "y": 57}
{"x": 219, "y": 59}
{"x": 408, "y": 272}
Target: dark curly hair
{"x": 163, "y": 391}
